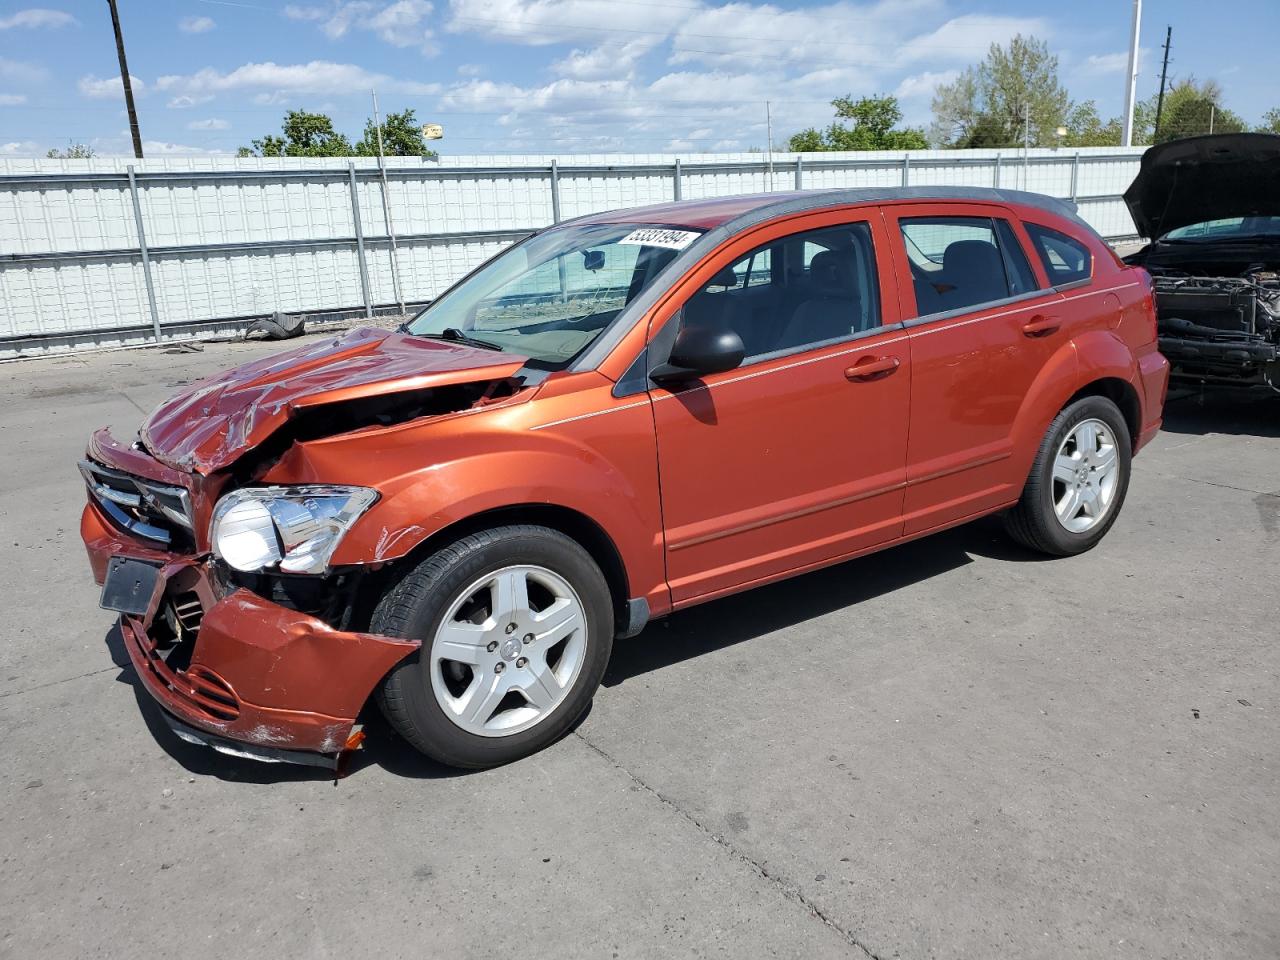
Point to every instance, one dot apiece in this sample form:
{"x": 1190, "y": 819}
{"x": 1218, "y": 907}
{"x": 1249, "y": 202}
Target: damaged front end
{"x": 265, "y": 654}
{"x": 1220, "y": 328}
{"x": 1212, "y": 208}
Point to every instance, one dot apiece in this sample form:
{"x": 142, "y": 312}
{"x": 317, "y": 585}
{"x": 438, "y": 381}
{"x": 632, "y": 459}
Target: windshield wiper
{"x": 454, "y": 335}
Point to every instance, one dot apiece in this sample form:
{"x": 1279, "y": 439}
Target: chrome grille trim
{"x": 136, "y": 504}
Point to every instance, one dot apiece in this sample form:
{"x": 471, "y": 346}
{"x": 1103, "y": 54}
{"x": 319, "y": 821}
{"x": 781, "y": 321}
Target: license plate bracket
{"x": 129, "y": 585}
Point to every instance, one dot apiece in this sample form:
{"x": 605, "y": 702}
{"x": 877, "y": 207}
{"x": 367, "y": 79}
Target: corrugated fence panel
{"x": 232, "y": 239}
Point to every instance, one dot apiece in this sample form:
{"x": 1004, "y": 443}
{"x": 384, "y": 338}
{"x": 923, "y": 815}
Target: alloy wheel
{"x": 508, "y": 650}
{"x": 1086, "y": 476}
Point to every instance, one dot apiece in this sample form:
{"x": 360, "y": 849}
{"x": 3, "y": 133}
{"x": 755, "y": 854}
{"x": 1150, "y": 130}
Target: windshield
{"x": 551, "y": 296}
{"x": 1229, "y": 228}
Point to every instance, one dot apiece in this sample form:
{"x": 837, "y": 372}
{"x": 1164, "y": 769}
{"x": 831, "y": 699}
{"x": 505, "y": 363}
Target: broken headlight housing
{"x": 290, "y": 529}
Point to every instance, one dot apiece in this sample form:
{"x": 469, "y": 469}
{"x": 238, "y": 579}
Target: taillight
{"x": 1148, "y": 300}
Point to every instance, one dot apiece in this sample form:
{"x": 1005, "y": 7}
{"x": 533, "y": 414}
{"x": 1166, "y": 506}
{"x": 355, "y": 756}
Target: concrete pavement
{"x": 951, "y": 749}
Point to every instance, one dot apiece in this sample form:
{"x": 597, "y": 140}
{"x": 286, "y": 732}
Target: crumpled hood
{"x": 210, "y": 424}
{"x": 1205, "y": 178}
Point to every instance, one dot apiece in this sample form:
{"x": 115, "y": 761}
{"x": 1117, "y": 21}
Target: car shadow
{"x": 683, "y": 636}
{"x": 1239, "y": 411}
{"x": 723, "y": 623}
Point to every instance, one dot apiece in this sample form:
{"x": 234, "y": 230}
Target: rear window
{"x": 1065, "y": 259}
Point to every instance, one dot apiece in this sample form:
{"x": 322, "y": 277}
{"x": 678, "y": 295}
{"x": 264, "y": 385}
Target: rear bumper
{"x": 1153, "y": 369}
{"x": 250, "y": 671}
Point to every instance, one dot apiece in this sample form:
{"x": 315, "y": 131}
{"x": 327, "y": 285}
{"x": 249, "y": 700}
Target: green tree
{"x": 1086, "y": 129}
{"x": 306, "y": 134}
{"x": 1193, "y": 108}
{"x": 1270, "y": 121}
{"x": 874, "y": 122}
{"x": 74, "y": 151}
{"x": 1015, "y": 88}
{"x": 401, "y": 137}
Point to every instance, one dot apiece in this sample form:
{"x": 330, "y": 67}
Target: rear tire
{"x": 516, "y": 625}
{"x": 1078, "y": 481}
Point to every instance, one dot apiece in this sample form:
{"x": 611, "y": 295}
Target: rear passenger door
{"x": 982, "y": 322}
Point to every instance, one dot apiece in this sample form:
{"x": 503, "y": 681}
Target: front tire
{"x": 1078, "y": 481}
{"x": 516, "y": 625}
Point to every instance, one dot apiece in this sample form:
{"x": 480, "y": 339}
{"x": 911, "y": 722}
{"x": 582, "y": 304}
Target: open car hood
{"x": 210, "y": 424}
{"x": 1205, "y": 178}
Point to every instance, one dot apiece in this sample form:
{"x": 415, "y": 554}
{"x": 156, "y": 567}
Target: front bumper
{"x": 250, "y": 671}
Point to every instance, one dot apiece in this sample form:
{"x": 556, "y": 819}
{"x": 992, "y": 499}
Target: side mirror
{"x": 699, "y": 351}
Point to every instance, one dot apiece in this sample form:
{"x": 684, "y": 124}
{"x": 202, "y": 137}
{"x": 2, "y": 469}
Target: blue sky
{"x": 564, "y": 76}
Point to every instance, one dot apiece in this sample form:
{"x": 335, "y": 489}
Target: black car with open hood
{"x": 1211, "y": 208}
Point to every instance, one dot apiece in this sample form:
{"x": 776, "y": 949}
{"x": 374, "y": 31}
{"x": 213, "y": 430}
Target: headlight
{"x": 293, "y": 528}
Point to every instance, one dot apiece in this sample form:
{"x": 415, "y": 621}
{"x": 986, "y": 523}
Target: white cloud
{"x": 22, "y": 72}
{"x": 37, "y": 17}
{"x": 295, "y": 12}
{"x": 1103, "y": 64}
{"x": 186, "y": 101}
{"x": 12, "y": 99}
{"x": 213, "y": 123}
{"x": 965, "y": 39}
{"x": 923, "y": 84}
{"x": 399, "y": 23}
{"x": 282, "y": 79}
{"x": 608, "y": 60}
{"x": 196, "y": 24}
{"x": 470, "y": 70}
{"x": 541, "y": 22}
{"x": 19, "y": 148}
{"x": 108, "y": 88}
{"x": 167, "y": 149}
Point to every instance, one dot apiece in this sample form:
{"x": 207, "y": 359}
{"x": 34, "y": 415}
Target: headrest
{"x": 971, "y": 257}
{"x": 725, "y": 278}
{"x": 832, "y": 272}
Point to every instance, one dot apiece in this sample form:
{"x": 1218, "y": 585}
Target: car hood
{"x": 210, "y": 424}
{"x": 1205, "y": 178}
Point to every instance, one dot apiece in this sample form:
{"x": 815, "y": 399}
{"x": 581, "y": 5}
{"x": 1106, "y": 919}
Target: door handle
{"x": 1040, "y": 325}
{"x": 871, "y": 367}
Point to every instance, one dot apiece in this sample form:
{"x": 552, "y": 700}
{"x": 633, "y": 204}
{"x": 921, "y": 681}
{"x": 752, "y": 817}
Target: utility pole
{"x": 1164, "y": 76}
{"x": 1026, "y": 141}
{"x": 768, "y": 127}
{"x": 124, "y": 79}
{"x": 1131, "y": 87}
{"x": 386, "y": 208}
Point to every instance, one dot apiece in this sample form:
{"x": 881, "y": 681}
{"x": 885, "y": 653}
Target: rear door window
{"x": 962, "y": 262}
{"x": 1065, "y": 259}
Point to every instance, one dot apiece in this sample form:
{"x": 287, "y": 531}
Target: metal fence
{"x": 104, "y": 252}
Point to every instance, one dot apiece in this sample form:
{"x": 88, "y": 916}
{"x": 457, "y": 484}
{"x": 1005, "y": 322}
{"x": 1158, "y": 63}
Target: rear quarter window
{"x": 1065, "y": 259}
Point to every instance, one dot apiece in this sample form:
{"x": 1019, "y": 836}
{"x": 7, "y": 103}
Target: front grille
{"x": 153, "y": 511}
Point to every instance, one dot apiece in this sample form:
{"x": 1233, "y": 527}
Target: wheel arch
{"x": 1120, "y": 392}
{"x": 574, "y": 524}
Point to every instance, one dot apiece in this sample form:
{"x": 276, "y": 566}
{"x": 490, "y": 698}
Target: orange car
{"x": 623, "y": 415}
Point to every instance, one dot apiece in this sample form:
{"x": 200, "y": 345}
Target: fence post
{"x": 555, "y": 192}
{"x": 364, "y": 264}
{"x": 995, "y": 177}
{"x": 1075, "y": 175}
{"x": 675, "y": 180}
{"x": 146, "y": 257}
{"x": 799, "y": 173}
{"x": 906, "y": 168}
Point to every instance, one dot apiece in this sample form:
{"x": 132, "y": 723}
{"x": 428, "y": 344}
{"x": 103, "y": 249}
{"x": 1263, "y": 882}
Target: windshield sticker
{"x": 656, "y": 237}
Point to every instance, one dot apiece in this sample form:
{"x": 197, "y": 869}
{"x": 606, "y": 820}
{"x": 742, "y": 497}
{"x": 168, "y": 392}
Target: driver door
{"x": 798, "y": 456}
